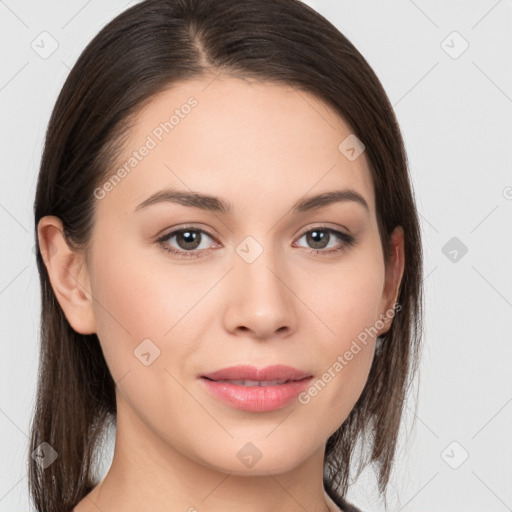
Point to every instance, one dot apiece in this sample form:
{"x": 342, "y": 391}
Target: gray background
{"x": 455, "y": 112}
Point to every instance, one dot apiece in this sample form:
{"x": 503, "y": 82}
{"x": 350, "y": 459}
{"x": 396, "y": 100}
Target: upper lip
{"x": 248, "y": 372}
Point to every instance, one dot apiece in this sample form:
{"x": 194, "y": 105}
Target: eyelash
{"x": 347, "y": 240}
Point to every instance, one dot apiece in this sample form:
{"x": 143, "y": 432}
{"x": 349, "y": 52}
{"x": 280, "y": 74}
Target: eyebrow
{"x": 215, "y": 204}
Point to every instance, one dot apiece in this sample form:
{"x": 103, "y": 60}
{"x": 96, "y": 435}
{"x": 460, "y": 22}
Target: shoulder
{"x": 345, "y": 506}
{"x": 341, "y": 504}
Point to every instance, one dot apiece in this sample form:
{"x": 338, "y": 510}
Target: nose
{"x": 260, "y": 299}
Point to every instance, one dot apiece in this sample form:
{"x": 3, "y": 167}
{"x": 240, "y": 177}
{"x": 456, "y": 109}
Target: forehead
{"x": 240, "y": 139}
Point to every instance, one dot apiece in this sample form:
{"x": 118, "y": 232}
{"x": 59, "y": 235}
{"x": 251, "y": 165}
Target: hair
{"x": 140, "y": 53}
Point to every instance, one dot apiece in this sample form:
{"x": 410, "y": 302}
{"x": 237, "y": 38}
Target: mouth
{"x": 247, "y": 375}
{"x": 261, "y": 383}
{"x": 256, "y": 389}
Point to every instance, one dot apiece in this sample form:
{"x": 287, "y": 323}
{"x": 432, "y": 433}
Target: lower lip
{"x": 256, "y": 398}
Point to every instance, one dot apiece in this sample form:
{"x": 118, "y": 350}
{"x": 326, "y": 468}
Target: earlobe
{"x": 394, "y": 273}
{"x": 68, "y": 274}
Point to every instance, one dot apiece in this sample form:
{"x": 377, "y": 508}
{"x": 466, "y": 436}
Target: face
{"x": 251, "y": 278}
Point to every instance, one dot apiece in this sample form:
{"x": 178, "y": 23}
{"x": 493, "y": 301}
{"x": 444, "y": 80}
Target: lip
{"x": 248, "y": 372}
{"x": 256, "y": 398}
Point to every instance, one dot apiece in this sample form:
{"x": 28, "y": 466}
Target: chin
{"x": 251, "y": 461}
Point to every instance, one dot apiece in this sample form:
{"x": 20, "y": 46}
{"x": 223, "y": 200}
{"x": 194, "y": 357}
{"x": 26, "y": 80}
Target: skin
{"x": 176, "y": 446}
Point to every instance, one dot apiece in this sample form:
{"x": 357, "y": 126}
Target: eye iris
{"x": 192, "y": 239}
{"x": 322, "y": 235}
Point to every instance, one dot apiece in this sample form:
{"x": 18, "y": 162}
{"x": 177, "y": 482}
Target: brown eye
{"x": 327, "y": 240}
{"x": 318, "y": 238}
{"x": 186, "y": 242}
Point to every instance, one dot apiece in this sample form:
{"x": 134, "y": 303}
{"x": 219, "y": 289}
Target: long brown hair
{"x": 140, "y": 53}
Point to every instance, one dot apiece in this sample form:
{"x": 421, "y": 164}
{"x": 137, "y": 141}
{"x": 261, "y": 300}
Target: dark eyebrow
{"x": 327, "y": 198}
{"x": 194, "y": 199}
{"x": 212, "y": 203}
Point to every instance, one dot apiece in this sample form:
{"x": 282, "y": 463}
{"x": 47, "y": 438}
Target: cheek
{"x": 140, "y": 294}
{"x": 347, "y": 297}
{"x": 142, "y": 312}
{"x": 349, "y": 310}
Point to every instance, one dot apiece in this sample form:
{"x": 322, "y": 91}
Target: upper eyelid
{"x": 175, "y": 231}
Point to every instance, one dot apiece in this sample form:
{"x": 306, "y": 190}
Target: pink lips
{"x": 255, "y": 397}
{"x": 247, "y": 372}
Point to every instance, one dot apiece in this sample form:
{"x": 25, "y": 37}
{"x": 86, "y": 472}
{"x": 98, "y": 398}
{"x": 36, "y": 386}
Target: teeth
{"x": 255, "y": 382}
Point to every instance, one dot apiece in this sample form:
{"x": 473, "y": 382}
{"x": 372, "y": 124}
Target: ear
{"x": 68, "y": 274}
{"x": 394, "y": 273}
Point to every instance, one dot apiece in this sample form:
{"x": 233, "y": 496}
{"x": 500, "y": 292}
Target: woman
{"x": 230, "y": 264}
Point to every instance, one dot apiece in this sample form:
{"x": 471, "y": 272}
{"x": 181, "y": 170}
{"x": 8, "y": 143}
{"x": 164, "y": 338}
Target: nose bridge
{"x": 258, "y": 267}
{"x": 260, "y": 300}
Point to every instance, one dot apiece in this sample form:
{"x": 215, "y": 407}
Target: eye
{"x": 192, "y": 242}
{"x": 321, "y": 237}
{"x": 189, "y": 241}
